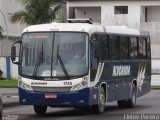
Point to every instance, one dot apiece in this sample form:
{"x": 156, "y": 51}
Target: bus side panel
{"x": 118, "y": 86}
{"x": 126, "y": 76}
{"x": 144, "y": 78}
{"x": 119, "y": 77}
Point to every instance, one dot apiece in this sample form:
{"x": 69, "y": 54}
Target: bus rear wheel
{"x": 40, "y": 110}
{"x": 132, "y": 101}
{"x": 100, "y": 107}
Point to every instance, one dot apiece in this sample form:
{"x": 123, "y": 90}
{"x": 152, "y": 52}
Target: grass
{"x": 8, "y": 83}
{"x": 155, "y": 87}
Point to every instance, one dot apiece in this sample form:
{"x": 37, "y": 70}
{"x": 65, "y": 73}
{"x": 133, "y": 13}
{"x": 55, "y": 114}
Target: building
{"x": 140, "y": 14}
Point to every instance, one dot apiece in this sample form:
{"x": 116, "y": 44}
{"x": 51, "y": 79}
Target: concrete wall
{"x": 155, "y": 72}
{"x": 154, "y": 29}
{"x": 131, "y": 19}
{"x": 5, "y": 45}
{"x": 8, "y": 7}
{"x": 13, "y": 68}
{"x": 3, "y": 66}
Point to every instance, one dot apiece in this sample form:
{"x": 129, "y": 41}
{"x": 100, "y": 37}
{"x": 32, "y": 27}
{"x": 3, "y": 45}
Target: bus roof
{"x": 77, "y": 27}
{"x": 125, "y": 30}
{"x": 85, "y": 27}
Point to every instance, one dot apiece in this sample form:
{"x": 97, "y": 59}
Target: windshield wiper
{"x": 62, "y": 64}
{"x": 39, "y": 61}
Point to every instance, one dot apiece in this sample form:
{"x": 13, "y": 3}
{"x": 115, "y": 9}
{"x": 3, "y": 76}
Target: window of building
{"x": 120, "y": 9}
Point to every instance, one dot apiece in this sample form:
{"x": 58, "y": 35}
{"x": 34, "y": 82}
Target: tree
{"x": 37, "y": 12}
{"x": 1, "y": 30}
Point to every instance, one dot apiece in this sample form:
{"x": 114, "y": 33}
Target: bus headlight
{"x": 23, "y": 85}
{"x": 80, "y": 85}
{"x": 27, "y": 87}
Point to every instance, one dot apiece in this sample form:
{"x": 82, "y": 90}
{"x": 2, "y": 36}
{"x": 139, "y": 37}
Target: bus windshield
{"x": 56, "y": 54}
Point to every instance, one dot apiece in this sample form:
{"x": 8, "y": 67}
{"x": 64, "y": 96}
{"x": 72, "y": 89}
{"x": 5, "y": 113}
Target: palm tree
{"x": 37, "y": 12}
{"x": 1, "y": 30}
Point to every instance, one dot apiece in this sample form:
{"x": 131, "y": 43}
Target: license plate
{"x": 50, "y": 95}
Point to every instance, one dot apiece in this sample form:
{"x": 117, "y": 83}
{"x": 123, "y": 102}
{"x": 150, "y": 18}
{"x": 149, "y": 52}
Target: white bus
{"x": 81, "y": 64}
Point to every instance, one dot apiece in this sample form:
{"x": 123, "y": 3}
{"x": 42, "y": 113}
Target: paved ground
{"x": 147, "y": 106}
{"x": 9, "y": 96}
{"x": 8, "y": 91}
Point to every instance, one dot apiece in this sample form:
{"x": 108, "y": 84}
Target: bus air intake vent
{"x": 51, "y": 89}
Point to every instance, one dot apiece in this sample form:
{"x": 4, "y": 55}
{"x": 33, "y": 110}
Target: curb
{"x": 8, "y": 87}
{"x": 11, "y": 104}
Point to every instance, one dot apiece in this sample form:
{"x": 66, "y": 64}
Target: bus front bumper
{"x": 72, "y": 98}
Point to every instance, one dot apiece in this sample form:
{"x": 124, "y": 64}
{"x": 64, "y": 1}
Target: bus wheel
{"x": 100, "y": 107}
{"x": 132, "y": 101}
{"x": 40, "y": 110}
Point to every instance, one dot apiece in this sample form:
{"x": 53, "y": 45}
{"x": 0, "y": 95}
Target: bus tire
{"x": 40, "y": 110}
{"x": 132, "y": 101}
{"x": 100, "y": 107}
{"x": 122, "y": 103}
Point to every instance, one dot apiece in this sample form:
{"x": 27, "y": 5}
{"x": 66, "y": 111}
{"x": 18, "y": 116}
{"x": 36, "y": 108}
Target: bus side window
{"x": 124, "y": 47}
{"x": 93, "y": 51}
{"x": 142, "y": 48}
{"x": 133, "y": 47}
{"x": 115, "y": 47}
{"x": 148, "y": 48}
{"x": 93, "y": 59}
{"x": 107, "y": 46}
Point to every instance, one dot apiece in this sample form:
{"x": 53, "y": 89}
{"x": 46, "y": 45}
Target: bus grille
{"x": 51, "y": 89}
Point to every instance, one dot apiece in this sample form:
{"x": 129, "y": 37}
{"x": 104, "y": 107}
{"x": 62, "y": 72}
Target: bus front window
{"x": 58, "y": 54}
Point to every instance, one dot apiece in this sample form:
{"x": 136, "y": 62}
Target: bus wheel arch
{"x": 135, "y": 83}
{"x": 104, "y": 86}
{"x": 133, "y": 95}
{"x": 100, "y": 106}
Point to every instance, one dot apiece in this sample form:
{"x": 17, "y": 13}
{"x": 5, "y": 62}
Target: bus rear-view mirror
{"x": 13, "y": 53}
